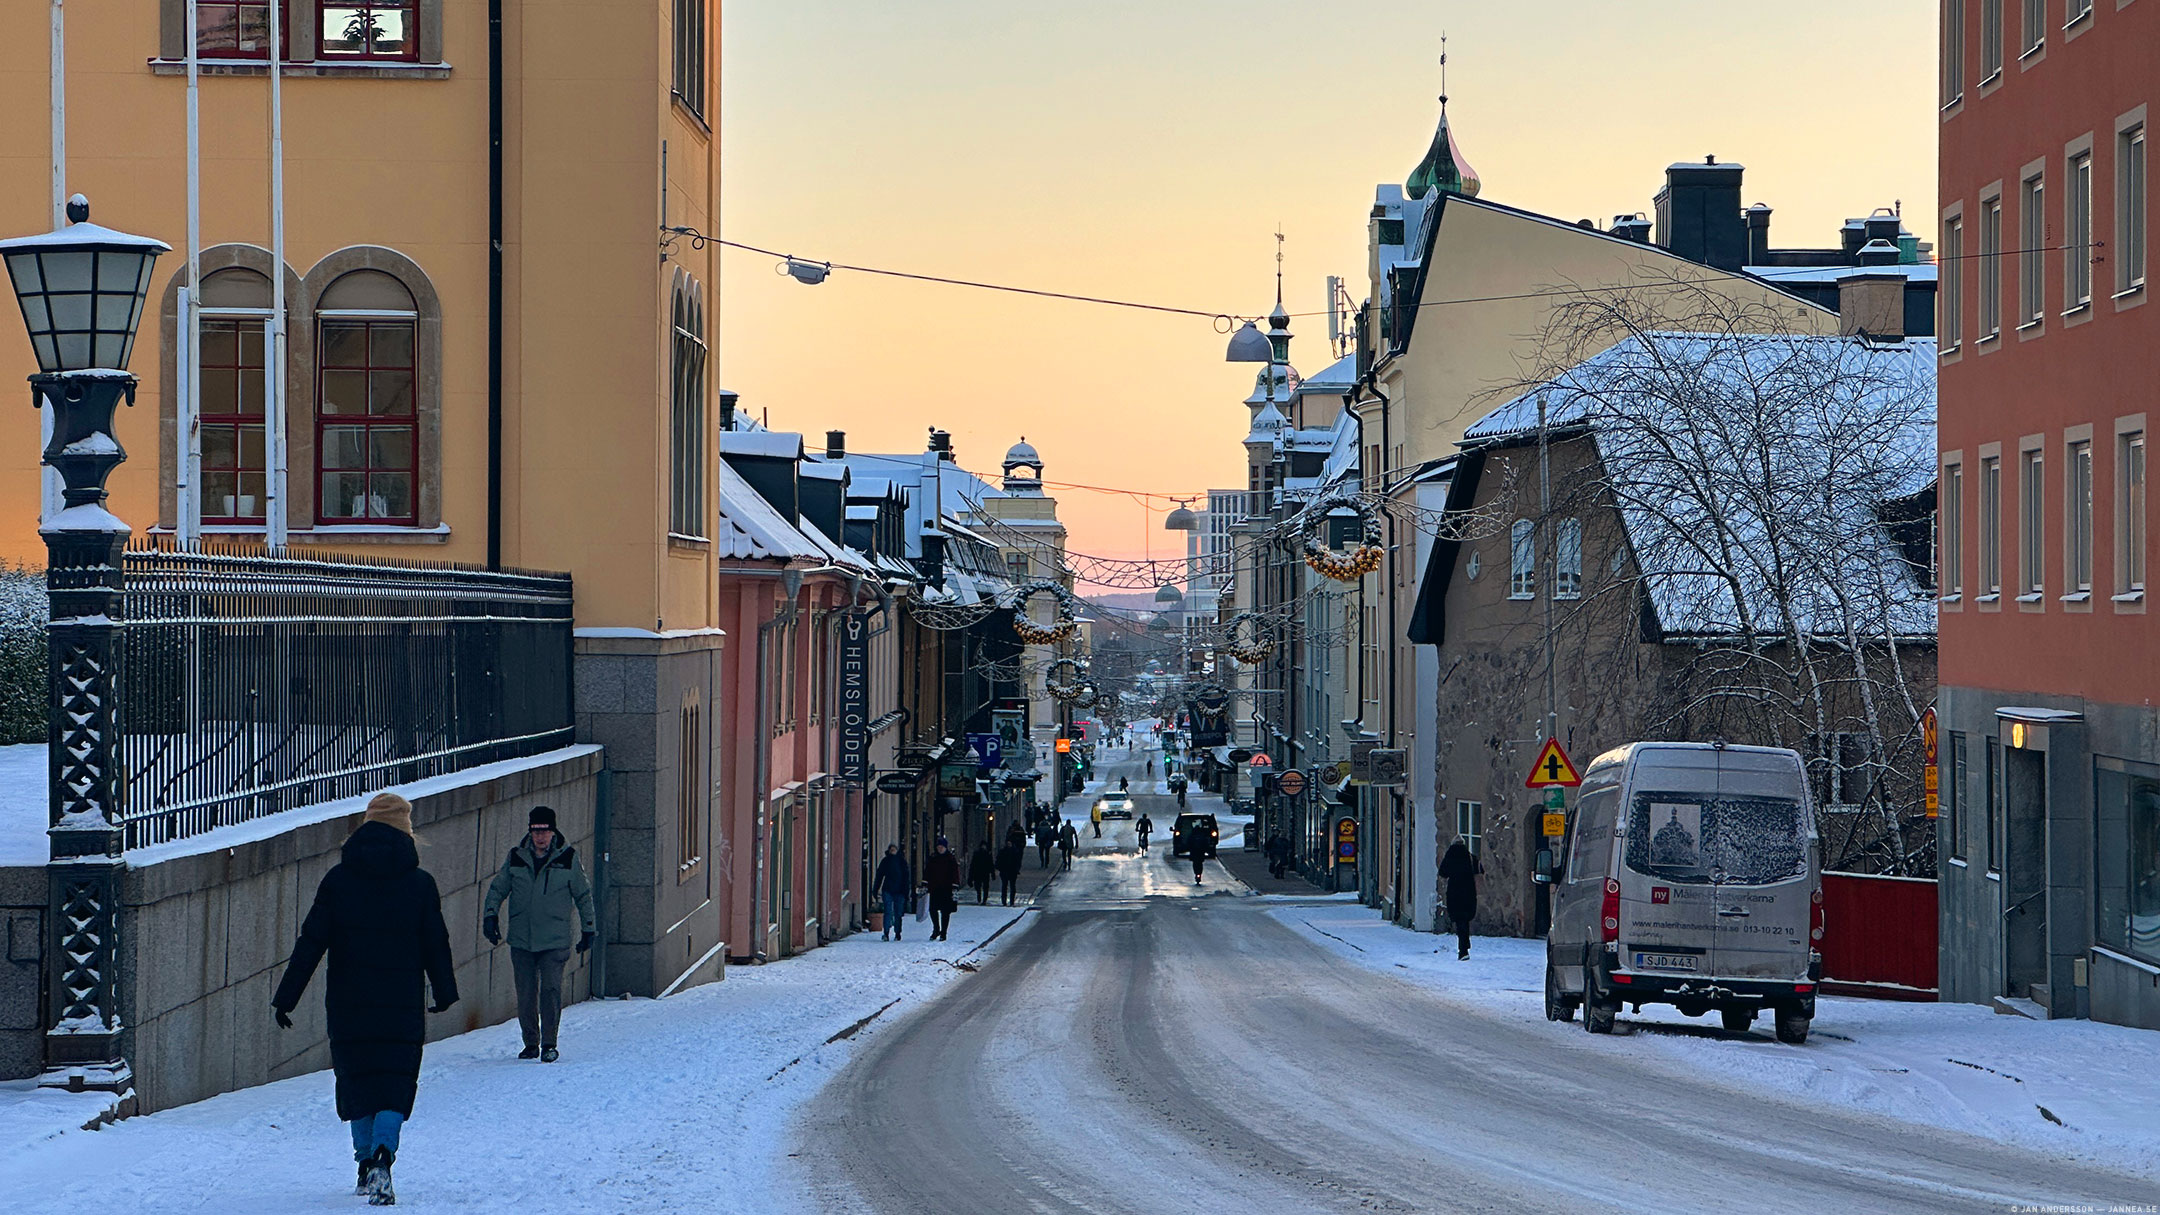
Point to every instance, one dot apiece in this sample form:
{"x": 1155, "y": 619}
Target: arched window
{"x": 1522, "y": 560}
{"x": 367, "y": 425}
{"x": 233, "y": 391}
{"x": 686, "y": 413}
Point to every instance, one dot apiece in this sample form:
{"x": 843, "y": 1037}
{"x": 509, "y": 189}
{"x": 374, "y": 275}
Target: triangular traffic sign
{"x": 1552, "y": 769}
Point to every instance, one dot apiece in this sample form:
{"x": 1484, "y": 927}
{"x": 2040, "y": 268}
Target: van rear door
{"x": 1668, "y": 920}
{"x": 1765, "y": 884}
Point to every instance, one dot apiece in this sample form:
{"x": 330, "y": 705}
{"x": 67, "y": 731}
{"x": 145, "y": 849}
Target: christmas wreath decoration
{"x": 1247, "y": 652}
{"x": 1343, "y": 567}
{"x": 1035, "y": 634}
{"x": 1072, "y": 689}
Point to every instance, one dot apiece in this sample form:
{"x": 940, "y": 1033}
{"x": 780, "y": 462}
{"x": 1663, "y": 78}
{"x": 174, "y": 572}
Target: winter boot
{"x": 379, "y": 1192}
{"x": 549, "y": 1054}
{"x": 360, "y": 1189}
{"x": 530, "y": 1052}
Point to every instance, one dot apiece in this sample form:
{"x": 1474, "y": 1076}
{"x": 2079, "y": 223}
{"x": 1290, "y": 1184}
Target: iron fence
{"x": 253, "y": 683}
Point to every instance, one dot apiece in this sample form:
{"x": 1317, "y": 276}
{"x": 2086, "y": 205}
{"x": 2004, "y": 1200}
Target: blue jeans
{"x": 895, "y": 911}
{"x": 379, "y": 1130}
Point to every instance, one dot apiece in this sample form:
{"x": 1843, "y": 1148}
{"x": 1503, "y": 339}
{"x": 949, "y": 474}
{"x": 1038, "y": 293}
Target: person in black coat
{"x": 1009, "y": 859}
{"x": 894, "y": 882}
{"x": 941, "y": 873}
{"x": 1278, "y": 854}
{"x": 378, "y": 916}
{"x": 1460, "y": 870}
{"x": 1045, "y": 839}
{"x": 980, "y": 867}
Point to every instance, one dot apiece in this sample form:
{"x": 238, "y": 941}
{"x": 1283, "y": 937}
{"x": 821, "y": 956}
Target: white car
{"x": 1114, "y": 806}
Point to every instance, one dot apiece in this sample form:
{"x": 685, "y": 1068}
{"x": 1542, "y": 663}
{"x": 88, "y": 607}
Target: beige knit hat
{"x": 392, "y": 809}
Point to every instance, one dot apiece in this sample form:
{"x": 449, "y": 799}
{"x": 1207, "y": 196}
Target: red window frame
{"x": 231, "y": 396}
{"x": 216, "y": 18}
{"x": 391, "y": 388}
{"x": 339, "y": 16}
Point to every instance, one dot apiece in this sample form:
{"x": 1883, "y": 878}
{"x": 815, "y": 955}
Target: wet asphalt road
{"x": 1152, "y": 1045}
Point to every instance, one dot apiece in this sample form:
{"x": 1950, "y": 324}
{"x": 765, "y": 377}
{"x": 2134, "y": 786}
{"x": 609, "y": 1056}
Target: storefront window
{"x": 2127, "y": 855}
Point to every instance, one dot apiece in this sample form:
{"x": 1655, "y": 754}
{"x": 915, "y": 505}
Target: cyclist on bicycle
{"x": 1144, "y": 828}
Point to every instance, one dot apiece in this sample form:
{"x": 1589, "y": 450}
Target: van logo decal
{"x": 1661, "y": 894}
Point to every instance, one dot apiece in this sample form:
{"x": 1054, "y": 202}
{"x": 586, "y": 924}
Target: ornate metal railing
{"x": 252, "y": 684}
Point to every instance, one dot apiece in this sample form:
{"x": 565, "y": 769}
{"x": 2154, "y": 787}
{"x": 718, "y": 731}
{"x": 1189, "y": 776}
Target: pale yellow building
{"x": 486, "y": 364}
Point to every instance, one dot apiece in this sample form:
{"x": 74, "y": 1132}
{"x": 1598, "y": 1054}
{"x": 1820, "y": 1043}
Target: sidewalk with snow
{"x": 2079, "y": 1089}
{"x": 680, "y": 1104}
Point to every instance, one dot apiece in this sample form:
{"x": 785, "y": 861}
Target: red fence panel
{"x": 1879, "y": 936}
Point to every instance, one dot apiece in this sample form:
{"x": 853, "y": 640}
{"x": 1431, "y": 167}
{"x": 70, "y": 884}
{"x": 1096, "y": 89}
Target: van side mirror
{"x": 1546, "y": 871}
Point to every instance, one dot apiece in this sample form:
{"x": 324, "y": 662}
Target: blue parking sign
{"x": 989, "y": 750}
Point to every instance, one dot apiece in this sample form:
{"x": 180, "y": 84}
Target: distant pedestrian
{"x": 941, "y": 874}
{"x": 1460, "y": 869}
{"x": 551, "y": 911}
{"x": 892, "y": 885}
{"x": 1009, "y": 859}
{"x": 1151, "y": 767}
{"x": 980, "y": 867}
{"x": 1095, "y": 816}
{"x": 1068, "y": 841}
{"x": 378, "y": 915}
{"x": 1278, "y": 854}
{"x": 1045, "y": 839}
{"x": 1199, "y": 848}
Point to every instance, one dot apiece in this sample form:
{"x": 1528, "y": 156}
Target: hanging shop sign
{"x": 854, "y": 765}
{"x": 1361, "y": 760}
{"x": 956, "y": 780}
{"x": 897, "y": 783}
{"x": 1291, "y": 783}
{"x": 1390, "y": 767}
{"x": 988, "y": 750}
{"x": 1239, "y": 755}
{"x": 1929, "y": 770}
{"x": 1064, "y": 746}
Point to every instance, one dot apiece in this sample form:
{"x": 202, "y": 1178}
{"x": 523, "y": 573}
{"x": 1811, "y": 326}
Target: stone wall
{"x": 22, "y": 942}
{"x": 209, "y": 923}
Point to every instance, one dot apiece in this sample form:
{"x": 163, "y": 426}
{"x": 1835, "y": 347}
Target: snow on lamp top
{"x": 81, "y": 289}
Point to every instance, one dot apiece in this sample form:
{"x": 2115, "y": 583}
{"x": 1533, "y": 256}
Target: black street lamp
{"x": 81, "y": 289}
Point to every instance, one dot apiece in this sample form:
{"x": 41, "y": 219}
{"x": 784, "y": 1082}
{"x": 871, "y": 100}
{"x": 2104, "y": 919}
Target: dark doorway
{"x": 2025, "y": 899}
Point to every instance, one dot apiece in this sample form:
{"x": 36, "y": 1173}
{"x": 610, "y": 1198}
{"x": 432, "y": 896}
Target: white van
{"x": 1692, "y": 876}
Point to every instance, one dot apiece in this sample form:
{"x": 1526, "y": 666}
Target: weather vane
{"x": 1443, "y": 68}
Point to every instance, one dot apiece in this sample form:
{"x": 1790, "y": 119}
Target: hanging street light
{"x": 1249, "y": 345}
{"x": 81, "y": 290}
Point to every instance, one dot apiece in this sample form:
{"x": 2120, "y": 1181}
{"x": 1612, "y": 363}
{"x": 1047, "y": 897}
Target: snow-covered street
{"x": 679, "y": 1104}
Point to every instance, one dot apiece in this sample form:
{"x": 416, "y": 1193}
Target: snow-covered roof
{"x": 824, "y": 471}
{"x": 751, "y": 528}
{"x": 1918, "y": 272}
{"x": 1704, "y": 510}
{"x": 1337, "y": 377}
{"x": 783, "y": 444}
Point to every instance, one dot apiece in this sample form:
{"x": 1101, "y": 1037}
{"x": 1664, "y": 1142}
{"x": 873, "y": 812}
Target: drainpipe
{"x": 495, "y": 285}
{"x": 603, "y": 820}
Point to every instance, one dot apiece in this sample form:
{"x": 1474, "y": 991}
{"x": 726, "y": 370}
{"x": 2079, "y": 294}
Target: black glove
{"x": 491, "y": 930}
{"x": 585, "y": 942}
{"x": 284, "y": 1019}
{"x": 442, "y": 1007}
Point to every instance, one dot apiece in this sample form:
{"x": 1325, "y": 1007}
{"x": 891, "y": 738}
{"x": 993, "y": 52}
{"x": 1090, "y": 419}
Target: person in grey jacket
{"x": 551, "y": 910}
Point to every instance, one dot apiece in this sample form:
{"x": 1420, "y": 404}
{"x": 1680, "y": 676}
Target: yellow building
{"x": 490, "y": 361}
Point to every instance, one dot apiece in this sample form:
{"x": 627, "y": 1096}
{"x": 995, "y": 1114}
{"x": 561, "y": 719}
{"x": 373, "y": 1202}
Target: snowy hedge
{"x": 22, "y": 655}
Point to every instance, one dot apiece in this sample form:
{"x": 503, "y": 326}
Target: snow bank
{"x": 1956, "y": 1066}
{"x": 679, "y": 1104}
{"x": 25, "y": 806}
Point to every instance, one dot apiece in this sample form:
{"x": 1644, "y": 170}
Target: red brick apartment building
{"x": 2050, "y": 651}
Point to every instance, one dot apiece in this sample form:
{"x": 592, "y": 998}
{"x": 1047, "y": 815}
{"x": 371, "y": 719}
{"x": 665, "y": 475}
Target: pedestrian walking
{"x": 1144, "y": 828}
{"x": 1045, "y": 838}
{"x": 1009, "y": 859}
{"x": 1278, "y": 854}
{"x": 378, "y": 917}
{"x": 1068, "y": 841}
{"x": 1460, "y": 869}
{"x": 1198, "y": 848}
{"x": 893, "y": 882}
{"x": 1095, "y": 815}
{"x": 980, "y": 867}
{"x": 551, "y": 912}
{"x": 941, "y": 874}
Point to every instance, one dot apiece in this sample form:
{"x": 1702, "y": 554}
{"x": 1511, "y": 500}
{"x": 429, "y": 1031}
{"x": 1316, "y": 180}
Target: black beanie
{"x": 542, "y": 816}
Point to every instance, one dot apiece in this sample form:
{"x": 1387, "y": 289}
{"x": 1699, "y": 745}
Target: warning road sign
{"x": 1552, "y": 768}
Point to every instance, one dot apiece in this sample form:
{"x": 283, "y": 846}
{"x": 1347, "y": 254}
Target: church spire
{"x": 1443, "y": 167}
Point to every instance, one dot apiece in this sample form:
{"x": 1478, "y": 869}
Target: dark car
{"x": 1194, "y": 829}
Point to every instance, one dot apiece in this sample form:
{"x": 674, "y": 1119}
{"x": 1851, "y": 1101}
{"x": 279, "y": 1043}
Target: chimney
{"x": 941, "y": 443}
{"x": 1631, "y": 228}
{"x": 727, "y": 408}
{"x": 835, "y": 444}
{"x": 1872, "y": 303}
{"x": 1882, "y": 225}
{"x": 1879, "y": 252}
{"x": 1758, "y": 235}
{"x": 1698, "y": 214}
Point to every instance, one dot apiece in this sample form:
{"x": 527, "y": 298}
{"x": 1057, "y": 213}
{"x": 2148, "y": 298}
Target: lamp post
{"x": 81, "y": 290}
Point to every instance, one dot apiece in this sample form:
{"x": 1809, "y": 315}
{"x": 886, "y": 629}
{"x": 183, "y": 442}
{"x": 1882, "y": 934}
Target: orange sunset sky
{"x": 1147, "y": 150}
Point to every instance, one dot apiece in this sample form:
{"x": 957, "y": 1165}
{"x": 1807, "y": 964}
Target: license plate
{"x": 1667, "y": 961}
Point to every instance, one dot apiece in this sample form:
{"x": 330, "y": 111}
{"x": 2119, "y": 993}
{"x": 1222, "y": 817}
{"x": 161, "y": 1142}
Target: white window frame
{"x": 1567, "y": 559}
{"x": 1522, "y": 560}
{"x": 1950, "y": 532}
{"x": 1991, "y": 268}
{"x": 2078, "y": 518}
{"x": 2032, "y": 524}
{"x": 1470, "y": 825}
{"x": 1951, "y": 305}
{"x": 2132, "y": 203}
{"x": 2032, "y": 250}
{"x": 2130, "y": 506}
{"x": 2077, "y": 233}
{"x": 1991, "y": 510}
